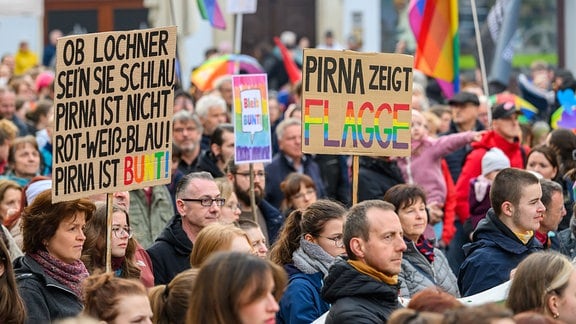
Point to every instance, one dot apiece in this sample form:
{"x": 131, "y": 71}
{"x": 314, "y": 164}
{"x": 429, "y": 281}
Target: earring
{"x": 555, "y": 316}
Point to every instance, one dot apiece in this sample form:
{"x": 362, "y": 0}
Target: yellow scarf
{"x": 369, "y": 271}
{"x": 524, "y": 237}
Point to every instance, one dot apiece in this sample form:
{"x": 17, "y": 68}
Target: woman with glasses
{"x": 230, "y": 212}
{"x": 299, "y": 192}
{"x": 308, "y": 243}
{"x": 125, "y": 262}
{"x": 423, "y": 265}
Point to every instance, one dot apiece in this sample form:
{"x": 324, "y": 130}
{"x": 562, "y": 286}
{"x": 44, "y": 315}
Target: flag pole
{"x": 481, "y": 56}
{"x": 238, "y": 34}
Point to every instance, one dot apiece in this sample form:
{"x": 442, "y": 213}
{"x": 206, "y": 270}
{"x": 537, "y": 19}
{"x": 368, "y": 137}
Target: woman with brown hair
{"x": 170, "y": 302}
{"x": 307, "y": 246}
{"x": 116, "y": 300}
{"x": 299, "y": 192}
{"x": 50, "y": 274}
{"x": 237, "y": 288}
{"x": 11, "y": 304}
{"x": 24, "y": 160}
{"x": 123, "y": 244}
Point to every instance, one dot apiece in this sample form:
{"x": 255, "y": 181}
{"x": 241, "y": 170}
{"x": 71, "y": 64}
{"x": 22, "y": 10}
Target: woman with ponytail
{"x": 170, "y": 302}
{"x": 308, "y": 244}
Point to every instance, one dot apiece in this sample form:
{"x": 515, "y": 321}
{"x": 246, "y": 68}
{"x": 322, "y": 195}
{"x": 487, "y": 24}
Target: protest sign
{"x": 356, "y": 103}
{"x": 113, "y": 112}
{"x": 253, "y": 142}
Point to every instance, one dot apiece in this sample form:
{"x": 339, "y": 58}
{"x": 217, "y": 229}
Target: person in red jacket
{"x": 505, "y": 135}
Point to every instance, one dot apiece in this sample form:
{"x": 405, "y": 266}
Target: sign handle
{"x": 355, "y": 171}
{"x": 253, "y": 194}
{"x": 109, "y": 203}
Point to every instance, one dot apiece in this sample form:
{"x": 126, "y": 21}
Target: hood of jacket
{"x": 174, "y": 235}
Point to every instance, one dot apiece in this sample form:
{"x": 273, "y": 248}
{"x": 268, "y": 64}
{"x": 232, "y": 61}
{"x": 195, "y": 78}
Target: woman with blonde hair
{"x": 170, "y": 302}
{"x": 544, "y": 282}
{"x": 230, "y": 212}
{"x": 236, "y": 288}
{"x": 218, "y": 237}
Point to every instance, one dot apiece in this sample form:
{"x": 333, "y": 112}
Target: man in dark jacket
{"x": 365, "y": 288}
{"x": 221, "y": 149}
{"x": 198, "y": 202}
{"x": 506, "y": 236}
{"x": 290, "y": 159}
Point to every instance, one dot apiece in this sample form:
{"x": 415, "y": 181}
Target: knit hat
{"x": 494, "y": 160}
{"x": 36, "y": 188}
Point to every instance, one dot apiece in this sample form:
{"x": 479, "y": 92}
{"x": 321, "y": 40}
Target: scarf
{"x": 70, "y": 275}
{"x": 373, "y": 273}
{"x": 425, "y": 247}
{"x": 310, "y": 258}
{"x": 117, "y": 265}
{"x": 524, "y": 237}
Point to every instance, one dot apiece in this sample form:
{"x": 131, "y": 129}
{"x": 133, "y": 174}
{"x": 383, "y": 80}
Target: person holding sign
{"x": 50, "y": 274}
{"x": 267, "y": 216}
{"x": 198, "y": 201}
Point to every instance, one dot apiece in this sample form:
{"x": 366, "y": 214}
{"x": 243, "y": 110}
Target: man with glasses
{"x": 267, "y": 216}
{"x": 290, "y": 159}
{"x": 198, "y": 202}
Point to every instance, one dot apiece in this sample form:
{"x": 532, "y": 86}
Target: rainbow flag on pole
{"x": 210, "y": 10}
{"x": 435, "y": 27}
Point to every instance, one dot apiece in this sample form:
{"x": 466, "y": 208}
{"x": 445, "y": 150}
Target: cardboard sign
{"x": 253, "y": 142}
{"x": 356, "y": 103}
{"x": 113, "y": 112}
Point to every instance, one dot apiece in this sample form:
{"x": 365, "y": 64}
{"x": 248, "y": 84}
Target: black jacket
{"x": 170, "y": 253}
{"x": 46, "y": 299}
{"x": 376, "y": 176}
{"x": 207, "y": 162}
{"x": 356, "y": 297}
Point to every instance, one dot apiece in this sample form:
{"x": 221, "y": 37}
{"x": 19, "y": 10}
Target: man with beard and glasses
{"x": 267, "y": 216}
{"x": 221, "y": 150}
{"x": 506, "y": 236}
{"x": 186, "y": 134}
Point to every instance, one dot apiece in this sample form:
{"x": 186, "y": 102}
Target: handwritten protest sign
{"x": 253, "y": 142}
{"x": 356, "y": 103}
{"x": 113, "y": 112}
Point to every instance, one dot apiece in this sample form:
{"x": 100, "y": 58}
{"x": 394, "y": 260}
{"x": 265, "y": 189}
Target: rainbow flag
{"x": 435, "y": 27}
{"x": 209, "y": 10}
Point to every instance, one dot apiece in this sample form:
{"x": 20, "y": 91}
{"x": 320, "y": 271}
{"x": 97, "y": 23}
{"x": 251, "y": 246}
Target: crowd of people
{"x": 480, "y": 203}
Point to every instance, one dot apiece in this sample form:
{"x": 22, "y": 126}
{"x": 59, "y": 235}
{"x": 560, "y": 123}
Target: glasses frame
{"x": 335, "y": 240}
{"x": 120, "y": 230}
{"x": 204, "y": 201}
{"x": 310, "y": 191}
{"x": 256, "y": 174}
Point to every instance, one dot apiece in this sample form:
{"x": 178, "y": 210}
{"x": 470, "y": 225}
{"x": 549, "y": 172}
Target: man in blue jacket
{"x": 506, "y": 236}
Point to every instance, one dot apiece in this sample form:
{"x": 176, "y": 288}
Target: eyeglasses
{"x": 308, "y": 192}
{"x": 338, "y": 242}
{"x": 207, "y": 202}
{"x": 233, "y": 207}
{"x": 259, "y": 174}
{"x": 119, "y": 231}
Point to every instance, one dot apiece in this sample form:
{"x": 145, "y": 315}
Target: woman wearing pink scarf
{"x": 50, "y": 274}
